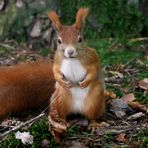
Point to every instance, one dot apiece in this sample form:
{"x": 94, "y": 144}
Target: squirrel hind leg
{"x": 94, "y": 107}
{"x": 95, "y": 103}
{"x": 57, "y": 125}
{"x": 59, "y": 109}
{"x": 57, "y": 129}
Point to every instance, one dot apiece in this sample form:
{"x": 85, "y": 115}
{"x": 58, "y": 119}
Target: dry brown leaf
{"x": 121, "y": 137}
{"x": 110, "y": 94}
{"x": 137, "y": 105}
{"x": 95, "y": 126}
{"x": 144, "y": 84}
{"x": 128, "y": 98}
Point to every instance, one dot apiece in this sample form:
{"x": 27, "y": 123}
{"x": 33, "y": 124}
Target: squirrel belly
{"x": 78, "y": 98}
{"x": 74, "y": 72}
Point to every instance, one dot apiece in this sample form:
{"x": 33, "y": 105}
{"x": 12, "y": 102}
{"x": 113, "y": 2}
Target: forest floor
{"x": 125, "y": 123}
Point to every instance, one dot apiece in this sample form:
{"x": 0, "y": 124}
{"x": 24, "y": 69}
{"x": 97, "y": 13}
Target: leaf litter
{"x": 124, "y": 117}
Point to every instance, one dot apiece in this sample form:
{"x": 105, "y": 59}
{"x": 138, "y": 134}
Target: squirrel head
{"x": 69, "y": 37}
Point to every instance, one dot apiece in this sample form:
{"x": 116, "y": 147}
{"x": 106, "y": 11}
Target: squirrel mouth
{"x": 70, "y": 57}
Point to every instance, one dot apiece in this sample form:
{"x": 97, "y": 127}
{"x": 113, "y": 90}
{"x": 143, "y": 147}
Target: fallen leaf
{"x": 128, "y": 98}
{"x": 109, "y": 95}
{"x": 121, "y": 137}
{"x": 137, "y": 105}
{"x": 119, "y": 104}
{"x": 120, "y": 114}
{"x": 119, "y": 107}
{"x": 136, "y": 116}
{"x": 25, "y": 137}
{"x": 10, "y": 122}
{"x": 144, "y": 84}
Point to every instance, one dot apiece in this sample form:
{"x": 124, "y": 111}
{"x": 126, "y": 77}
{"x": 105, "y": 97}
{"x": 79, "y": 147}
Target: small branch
{"x": 138, "y": 39}
{"x": 116, "y": 42}
{"x": 130, "y": 61}
{"x": 6, "y": 46}
{"x": 22, "y": 125}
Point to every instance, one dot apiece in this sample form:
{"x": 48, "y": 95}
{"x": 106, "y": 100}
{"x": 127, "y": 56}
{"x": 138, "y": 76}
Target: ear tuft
{"x": 80, "y": 18}
{"x": 55, "y": 20}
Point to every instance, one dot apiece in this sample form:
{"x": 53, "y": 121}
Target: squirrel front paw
{"x": 84, "y": 83}
{"x": 64, "y": 82}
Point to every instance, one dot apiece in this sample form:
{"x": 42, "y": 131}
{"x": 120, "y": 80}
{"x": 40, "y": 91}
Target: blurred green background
{"x": 119, "y": 19}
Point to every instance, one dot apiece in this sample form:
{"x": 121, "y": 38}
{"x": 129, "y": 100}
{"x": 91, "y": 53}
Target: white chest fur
{"x": 75, "y": 72}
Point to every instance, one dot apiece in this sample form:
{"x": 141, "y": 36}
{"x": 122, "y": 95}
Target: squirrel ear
{"x": 55, "y": 20}
{"x": 80, "y": 18}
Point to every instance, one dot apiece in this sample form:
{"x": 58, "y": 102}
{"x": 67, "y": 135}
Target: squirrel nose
{"x": 70, "y": 52}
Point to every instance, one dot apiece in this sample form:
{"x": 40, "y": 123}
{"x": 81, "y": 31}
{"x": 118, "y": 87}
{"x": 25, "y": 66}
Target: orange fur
{"x": 55, "y": 20}
{"x": 62, "y": 100}
{"x": 95, "y": 102}
{"x": 80, "y": 18}
{"x": 25, "y": 86}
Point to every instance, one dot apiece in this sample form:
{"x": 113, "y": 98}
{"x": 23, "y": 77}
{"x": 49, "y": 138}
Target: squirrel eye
{"x": 79, "y": 39}
{"x": 59, "y": 40}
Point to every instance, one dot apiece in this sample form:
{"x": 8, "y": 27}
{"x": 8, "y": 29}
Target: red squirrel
{"x": 30, "y": 85}
{"x": 25, "y": 86}
{"x": 76, "y": 68}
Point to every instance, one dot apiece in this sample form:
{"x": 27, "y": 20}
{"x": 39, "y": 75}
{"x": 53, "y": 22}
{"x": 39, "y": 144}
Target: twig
{"x": 138, "y": 39}
{"x": 130, "y": 61}
{"x": 136, "y": 116}
{"x": 113, "y": 44}
{"x": 6, "y": 46}
{"x": 22, "y": 125}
